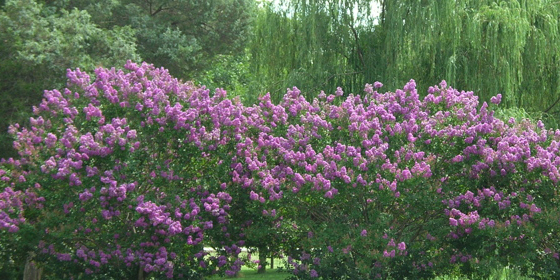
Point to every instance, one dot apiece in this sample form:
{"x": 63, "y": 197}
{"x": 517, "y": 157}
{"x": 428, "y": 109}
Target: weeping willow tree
{"x": 490, "y": 47}
{"x": 313, "y": 44}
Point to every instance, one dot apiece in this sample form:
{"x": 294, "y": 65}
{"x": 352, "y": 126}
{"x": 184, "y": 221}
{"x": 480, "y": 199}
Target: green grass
{"x": 498, "y": 274}
{"x": 249, "y": 273}
{"x": 273, "y": 274}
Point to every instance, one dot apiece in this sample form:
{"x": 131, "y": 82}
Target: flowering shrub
{"x": 119, "y": 173}
{"x": 135, "y": 171}
{"x": 386, "y": 185}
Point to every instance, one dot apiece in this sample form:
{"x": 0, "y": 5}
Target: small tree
{"x": 119, "y": 176}
{"x": 386, "y": 185}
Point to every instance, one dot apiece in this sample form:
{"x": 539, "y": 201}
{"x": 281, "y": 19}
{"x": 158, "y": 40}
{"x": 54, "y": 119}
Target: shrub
{"x": 386, "y": 185}
{"x": 121, "y": 174}
{"x": 134, "y": 172}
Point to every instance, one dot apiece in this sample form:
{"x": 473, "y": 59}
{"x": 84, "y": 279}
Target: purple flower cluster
{"x": 10, "y": 204}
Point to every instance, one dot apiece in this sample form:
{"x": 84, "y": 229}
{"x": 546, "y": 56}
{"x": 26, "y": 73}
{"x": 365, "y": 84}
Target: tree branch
{"x": 158, "y": 10}
{"x": 358, "y": 45}
{"x": 552, "y": 106}
{"x": 382, "y": 13}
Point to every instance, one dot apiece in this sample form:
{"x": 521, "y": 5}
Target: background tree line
{"x": 490, "y": 47}
{"x": 41, "y": 39}
{"x": 252, "y": 47}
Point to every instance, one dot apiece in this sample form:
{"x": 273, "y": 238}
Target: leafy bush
{"x": 136, "y": 171}
{"x": 391, "y": 186}
{"x": 121, "y": 174}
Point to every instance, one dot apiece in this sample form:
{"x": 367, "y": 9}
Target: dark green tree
{"x": 38, "y": 44}
{"x": 183, "y": 36}
{"x": 41, "y": 39}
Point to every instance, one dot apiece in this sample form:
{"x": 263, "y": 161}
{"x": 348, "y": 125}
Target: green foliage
{"x": 508, "y": 47}
{"x": 39, "y": 44}
{"x": 491, "y": 47}
{"x": 251, "y": 273}
{"x": 314, "y": 45}
{"x": 183, "y": 36}
{"x": 232, "y": 73}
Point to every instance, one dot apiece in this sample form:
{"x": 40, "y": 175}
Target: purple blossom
{"x": 389, "y": 254}
{"x": 313, "y": 273}
{"x": 453, "y": 222}
{"x": 496, "y": 99}
{"x": 339, "y": 91}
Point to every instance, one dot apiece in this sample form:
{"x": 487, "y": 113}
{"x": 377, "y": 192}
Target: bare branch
{"x": 358, "y": 49}
{"x": 552, "y": 106}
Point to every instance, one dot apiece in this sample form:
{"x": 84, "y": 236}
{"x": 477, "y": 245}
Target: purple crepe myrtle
{"x": 154, "y": 167}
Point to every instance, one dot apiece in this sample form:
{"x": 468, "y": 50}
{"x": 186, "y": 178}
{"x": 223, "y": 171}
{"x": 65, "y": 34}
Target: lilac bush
{"x": 133, "y": 172}
{"x": 389, "y": 185}
{"x": 118, "y": 173}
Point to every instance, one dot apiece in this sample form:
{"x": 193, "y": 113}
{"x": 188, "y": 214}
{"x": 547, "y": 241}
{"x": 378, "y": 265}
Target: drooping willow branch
{"x": 552, "y": 106}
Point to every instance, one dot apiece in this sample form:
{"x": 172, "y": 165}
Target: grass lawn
{"x": 249, "y": 273}
{"x": 272, "y": 274}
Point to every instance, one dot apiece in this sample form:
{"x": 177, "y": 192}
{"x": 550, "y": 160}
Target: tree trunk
{"x": 140, "y": 273}
{"x": 31, "y": 271}
{"x": 263, "y": 252}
